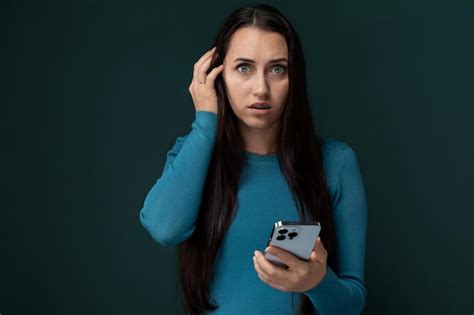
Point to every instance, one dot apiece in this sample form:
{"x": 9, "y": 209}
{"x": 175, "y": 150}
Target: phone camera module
{"x": 292, "y": 234}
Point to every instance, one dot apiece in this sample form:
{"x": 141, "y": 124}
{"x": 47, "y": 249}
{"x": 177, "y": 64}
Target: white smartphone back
{"x": 298, "y": 238}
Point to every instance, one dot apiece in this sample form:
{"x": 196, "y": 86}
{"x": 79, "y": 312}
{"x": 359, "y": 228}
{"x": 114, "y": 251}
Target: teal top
{"x": 171, "y": 207}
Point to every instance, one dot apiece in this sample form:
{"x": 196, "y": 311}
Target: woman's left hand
{"x": 300, "y": 275}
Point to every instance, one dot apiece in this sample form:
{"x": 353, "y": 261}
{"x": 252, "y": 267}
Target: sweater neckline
{"x": 255, "y": 158}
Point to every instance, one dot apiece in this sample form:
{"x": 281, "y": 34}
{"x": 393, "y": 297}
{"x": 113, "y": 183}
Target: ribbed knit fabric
{"x": 172, "y": 204}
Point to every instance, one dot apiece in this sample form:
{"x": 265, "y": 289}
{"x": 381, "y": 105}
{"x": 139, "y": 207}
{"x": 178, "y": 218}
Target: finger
{"x": 273, "y": 285}
{"x": 214, "y": 73}
{"x": 275, "y": 272}
{"x": 317, "y": 244}
{"x": 204, "y": 66}
{"x": 320, "y": 249}
{"x": 206, "y": 55}
{"x": 320, "y": 259}
{"x": 288, "y": 258}
{"x": 198, "y": 75}
{"x": 259, "y": 270}
{"x": 323, "y": 255}
{"x": 263, "y": 273}
{"x": 314, "y": 258}
{"x": 199, "y": 62}
{"x": 320, "y": 254}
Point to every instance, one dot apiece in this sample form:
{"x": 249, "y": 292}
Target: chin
{"x": 255, "y": 123}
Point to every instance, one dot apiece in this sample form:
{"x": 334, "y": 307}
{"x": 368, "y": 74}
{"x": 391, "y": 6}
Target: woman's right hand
{"x": 204, "y": 94}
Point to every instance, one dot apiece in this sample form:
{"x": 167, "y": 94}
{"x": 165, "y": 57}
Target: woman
{"x": 240, "y": 169}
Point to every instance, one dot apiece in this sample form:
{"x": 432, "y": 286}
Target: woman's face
{"x": 263, "y": 77}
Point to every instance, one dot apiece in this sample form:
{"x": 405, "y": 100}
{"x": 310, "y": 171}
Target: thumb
{"x": 317, "y": 243}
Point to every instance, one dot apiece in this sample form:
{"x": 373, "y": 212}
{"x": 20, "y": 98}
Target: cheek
{"x": 234, "y": 78}
{"x": 284, "y": 88}
{"x": 281, "y": 89}
{"x": 232, "y": 92}
{"x": 235, "y": 88}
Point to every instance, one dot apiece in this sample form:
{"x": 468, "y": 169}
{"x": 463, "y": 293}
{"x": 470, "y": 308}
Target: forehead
{"x": 253, "y": 43}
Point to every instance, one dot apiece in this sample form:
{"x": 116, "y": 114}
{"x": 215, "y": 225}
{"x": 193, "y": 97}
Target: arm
{"x": 172, "y": 205}
{"x": 345, "y": 292}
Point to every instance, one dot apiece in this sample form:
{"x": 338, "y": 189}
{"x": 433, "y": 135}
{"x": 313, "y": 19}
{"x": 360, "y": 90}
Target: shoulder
{"x": 334, "y": 154}
{"x": 333, "y": 149}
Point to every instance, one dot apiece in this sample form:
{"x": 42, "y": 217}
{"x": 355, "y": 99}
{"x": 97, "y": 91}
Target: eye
{"x": 241, "y": 68}
{"x": 281, "y": 67}
{"x": 242, "y": 65}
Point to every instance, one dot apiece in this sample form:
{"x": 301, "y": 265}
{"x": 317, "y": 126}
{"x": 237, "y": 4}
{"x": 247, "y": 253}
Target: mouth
{"x": 260, "y": 106}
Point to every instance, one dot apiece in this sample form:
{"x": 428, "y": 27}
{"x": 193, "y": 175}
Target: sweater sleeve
{"x": 171, "y": 206}
{"x": 345, "y": 292}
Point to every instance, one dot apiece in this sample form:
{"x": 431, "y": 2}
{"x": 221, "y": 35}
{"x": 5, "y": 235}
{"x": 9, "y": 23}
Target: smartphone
{"x": 298, "y": 238}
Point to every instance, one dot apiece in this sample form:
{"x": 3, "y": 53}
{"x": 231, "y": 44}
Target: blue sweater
{"x": 171, "y": 207}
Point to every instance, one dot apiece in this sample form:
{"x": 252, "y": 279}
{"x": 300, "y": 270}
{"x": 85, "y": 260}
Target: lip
{"x": 260, "y": 103}
{"x": 256, "y": 111}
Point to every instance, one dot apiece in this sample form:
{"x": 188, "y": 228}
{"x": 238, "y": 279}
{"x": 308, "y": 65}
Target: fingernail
{"x": 255, "y": 253}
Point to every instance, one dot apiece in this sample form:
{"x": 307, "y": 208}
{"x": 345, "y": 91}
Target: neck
{"x": 260, "y": 141}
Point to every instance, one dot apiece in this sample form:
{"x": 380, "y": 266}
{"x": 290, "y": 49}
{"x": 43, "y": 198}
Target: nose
{"x": 260, "y": 87}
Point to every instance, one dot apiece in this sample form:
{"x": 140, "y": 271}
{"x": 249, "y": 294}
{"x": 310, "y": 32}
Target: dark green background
{"x": 95, "y": 93}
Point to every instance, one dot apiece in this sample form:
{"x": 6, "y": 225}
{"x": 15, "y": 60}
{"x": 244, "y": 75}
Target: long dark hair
{"x": 299, "y": 156}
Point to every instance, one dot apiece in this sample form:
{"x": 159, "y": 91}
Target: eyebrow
{"x": 252, "y": 61}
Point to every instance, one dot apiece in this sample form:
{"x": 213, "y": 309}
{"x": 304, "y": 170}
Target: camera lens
{"x": 280, "y": 237}
{"x": 283, "y": 231}
{"x": 292, "y": 234}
